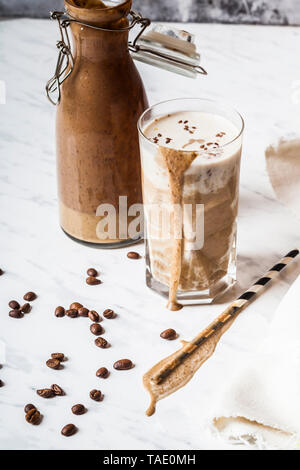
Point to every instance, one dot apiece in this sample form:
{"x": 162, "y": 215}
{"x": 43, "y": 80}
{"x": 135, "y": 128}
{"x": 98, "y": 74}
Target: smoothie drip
{"x": 177, "y": 163}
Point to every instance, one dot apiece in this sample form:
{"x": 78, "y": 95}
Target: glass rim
{"x": 207, "y": 100}
{"x": 120, "y": 2}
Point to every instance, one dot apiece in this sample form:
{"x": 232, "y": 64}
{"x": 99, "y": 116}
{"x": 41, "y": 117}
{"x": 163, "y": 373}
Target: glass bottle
{"x": 97, "y": 140}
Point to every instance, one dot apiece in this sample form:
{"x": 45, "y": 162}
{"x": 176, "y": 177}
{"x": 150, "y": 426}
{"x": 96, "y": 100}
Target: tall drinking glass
{"x": 190, "y": 156}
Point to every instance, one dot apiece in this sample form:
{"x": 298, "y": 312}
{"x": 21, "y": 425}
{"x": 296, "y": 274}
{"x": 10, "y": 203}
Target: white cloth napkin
{"x": 283, "y": 166}
{"x": 261, "y": 405}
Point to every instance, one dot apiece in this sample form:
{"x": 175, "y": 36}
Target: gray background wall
{"x": 229, "y": 11}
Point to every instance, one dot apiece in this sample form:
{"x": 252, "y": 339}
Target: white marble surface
{"x": 252, "y": 67}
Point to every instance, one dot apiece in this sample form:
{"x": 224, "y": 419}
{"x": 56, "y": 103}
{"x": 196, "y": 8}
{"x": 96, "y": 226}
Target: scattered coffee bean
{"x": 30, "y": 296}
{"x": 53, "y": 363}
{"x": 102, "y": 373}
{"x": 59, "y": 312}
{"x": 25, "y": 308}
{"x": 83, "y": 312}
{"x": 33, "y": 416}
{"x": 101, "y": 342}
{"x": 58, "y": 391}
{"x": 96, "y": 329}
{"x": 1, "y": 383}
{"x": 16, "y": 314}
{"x": 1, "y": 272}
{"x": 123, "y": 364}
{"x": 75, "y": 306}
{"x": 92, "y": 281}
{"x": 108, "y": 313}
{"x": 69, "y": 430}
{"x": 59, "y": 356}
{"x": 91, "y": 272}
{"x": 96, "y": 395}
{"x": 94, "y": 316}
{"x": 14, "y": 305}
{"x": 46, "y": 393}
{"x": 133, "y": 255}
{"x": 169, "y": 334}
{"x": 72, "y": 313}
{"x": 28, "y": 407}
{"x": 78, "y": 409}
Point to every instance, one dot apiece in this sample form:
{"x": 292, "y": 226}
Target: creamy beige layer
{"x": 202, "y": 268}
{"x": 85, "y": 226}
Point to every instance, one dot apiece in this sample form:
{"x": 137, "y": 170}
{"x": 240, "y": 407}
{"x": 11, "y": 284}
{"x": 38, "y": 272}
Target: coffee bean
{"x": 83, "y": 312}
{"x": 78, "y": 409}
{"x": 94, "y": 316}
{"x": 102, "y": 373}
{"x": 96, "y": 395}
{"x": 101, "y": 342}
{"x": 1, "y": 383}
{"x": 96, "y": 329}
{"x": 30, "y": 296}
{"x": 59, "y": 312}
{"x": 1, "y": 272}
{"x": 133, "y": 255}
{"x": 33, "y": 416}
{"x": 14, "y": 305}
{"x": 53, "y": 363}
{"x": 58, "y": 391}
{"x": 46, "y": 393}
{"x": 72, "y": 313}
{"x": 28, "y": 407}
{"x": 69, "y": 430}
{"x": 169, "y": 334}
{"x": 25, "y": 308}
{"x": 59, "y": 356}
{"x": 16, "y": 314}
{"x": 123, "y": 364}
{"x": 91, "y": 272}
{"x": 92, "y": 281}
{"x": 75, "y": 306}
{"x": 108, "y": 313}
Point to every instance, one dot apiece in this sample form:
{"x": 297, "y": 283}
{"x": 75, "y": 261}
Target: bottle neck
{"x": 99, "y": 45}
{"x": 112, "y": 18}
{"x": 95, "y": 44}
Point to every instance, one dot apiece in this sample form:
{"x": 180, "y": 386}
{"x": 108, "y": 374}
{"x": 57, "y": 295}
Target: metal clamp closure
{"x": 65, "y": 61}
{"x": 140, "y": 48}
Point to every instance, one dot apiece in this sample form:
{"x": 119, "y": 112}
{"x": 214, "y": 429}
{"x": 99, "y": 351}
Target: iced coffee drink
{"x": 190, "y": 153}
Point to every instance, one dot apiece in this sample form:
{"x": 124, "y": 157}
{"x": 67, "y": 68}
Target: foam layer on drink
{"x": 207, "y": 134}
{"x": 192, "y": 131}
{"x": 192, "y": 163}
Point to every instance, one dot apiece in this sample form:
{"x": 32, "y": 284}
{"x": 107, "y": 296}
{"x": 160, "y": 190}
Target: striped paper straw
{"x": 227, "y": 316}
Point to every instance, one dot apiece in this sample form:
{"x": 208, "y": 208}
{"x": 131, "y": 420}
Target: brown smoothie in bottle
{"x": 97, "y": 141}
